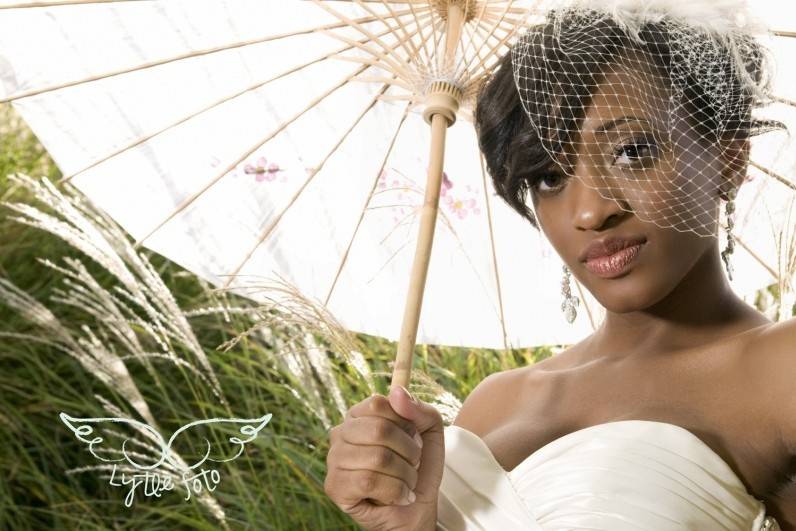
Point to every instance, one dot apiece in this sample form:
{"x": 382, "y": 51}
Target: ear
{"x": 735, "y": 156}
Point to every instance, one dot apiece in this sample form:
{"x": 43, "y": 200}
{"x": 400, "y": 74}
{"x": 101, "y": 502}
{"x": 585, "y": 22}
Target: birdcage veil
{"x": 674, "y": 85}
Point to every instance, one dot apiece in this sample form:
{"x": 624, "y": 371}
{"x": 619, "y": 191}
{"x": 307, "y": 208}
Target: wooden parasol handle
{"x": 441, "y": 112}
{"x": 414, "y": 299}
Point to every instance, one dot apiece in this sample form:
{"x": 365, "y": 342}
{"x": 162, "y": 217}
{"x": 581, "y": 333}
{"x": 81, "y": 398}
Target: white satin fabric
{"x": 616, "y": 476}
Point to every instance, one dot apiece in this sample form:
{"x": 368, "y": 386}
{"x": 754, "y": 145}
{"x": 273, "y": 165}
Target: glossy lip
{"x": 608, "y": 246}
{"x": 616, "y": 264}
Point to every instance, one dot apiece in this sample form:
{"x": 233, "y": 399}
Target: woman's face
{"x": 634, "y": 151}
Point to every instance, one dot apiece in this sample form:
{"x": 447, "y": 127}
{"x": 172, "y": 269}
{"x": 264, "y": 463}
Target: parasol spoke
{"x": 193, "y": 197}
{"x": 379, "y": 59}
{"x": 754, "y": 255}
{"x": 786, "y": 101}
{"x": 344, "y": 259}
{"x": 375, "y": 63}
{"x": 491, "y": 32}
{"x": 188, "y": 55}
{"x": 423, "y": 38}
{"x": 472, "y": 28}
{"x": 188, "y": 201}
{"x": 493, "y": 50}
{"x": 482, "y": 59}
{"x": 389, "y": 59}
{"x": 773, "y": 174}
{"x": 57, "y": 3}
{"x": 406, "y": 39}
{"x": 269, "y": 229}
{"x": 486, "y": 37}
{"x": 207, "y": 108}
{"x": 494, "y": 254}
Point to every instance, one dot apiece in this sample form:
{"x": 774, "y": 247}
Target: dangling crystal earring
{"x": 570, "y": 302}
{"x": 730, "y": 210}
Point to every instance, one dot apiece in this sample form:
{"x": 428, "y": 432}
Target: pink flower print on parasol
{"x": 403, "y": 191}
{"x": 263, "y": 170}
{"x": 446, "y": 185}
{"x": 461, "y": 206}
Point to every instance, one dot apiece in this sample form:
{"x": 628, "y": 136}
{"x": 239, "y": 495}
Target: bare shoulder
{"x": 770, "y": 358}
{"x": 490, "y": 403}
{"x": 501, "y": 396}
{"x": 771, "y": 349}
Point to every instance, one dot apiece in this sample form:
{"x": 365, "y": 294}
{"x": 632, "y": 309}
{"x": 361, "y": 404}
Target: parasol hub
{"x": 443, "y": 98}
{"x": 469, "y": 8}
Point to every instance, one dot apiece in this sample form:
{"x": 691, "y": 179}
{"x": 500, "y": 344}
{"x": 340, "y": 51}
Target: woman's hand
{"x": 385, "y": 462}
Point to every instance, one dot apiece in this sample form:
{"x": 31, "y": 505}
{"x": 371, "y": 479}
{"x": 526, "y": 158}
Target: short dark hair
{"x": 513, "y": 150}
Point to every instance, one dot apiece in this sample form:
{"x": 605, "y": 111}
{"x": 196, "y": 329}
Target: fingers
{"x": 379, "y": 406}
{"x": 350, "y": 488}
{"x": 366, "y": 431}
{"x": 379, "y": 459}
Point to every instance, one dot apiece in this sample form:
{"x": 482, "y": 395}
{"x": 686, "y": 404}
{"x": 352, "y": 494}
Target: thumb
{"x": 431, "y": 429}
{"x": 424, "y": 416}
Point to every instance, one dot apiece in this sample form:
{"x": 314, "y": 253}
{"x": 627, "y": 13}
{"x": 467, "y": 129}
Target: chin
{"x": 630, "y": 293}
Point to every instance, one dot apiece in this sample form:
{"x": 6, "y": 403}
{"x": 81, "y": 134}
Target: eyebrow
{"x": 619, "y": 121}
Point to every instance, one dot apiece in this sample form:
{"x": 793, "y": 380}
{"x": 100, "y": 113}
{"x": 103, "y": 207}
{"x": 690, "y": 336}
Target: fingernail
{"x": 419, "y": 440}
{"x": 407, "y": 497}
{"x": 408, "y": 394}
{"x": 417, "y": 466}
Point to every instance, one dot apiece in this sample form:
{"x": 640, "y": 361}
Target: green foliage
{"x": 278, "y": 481}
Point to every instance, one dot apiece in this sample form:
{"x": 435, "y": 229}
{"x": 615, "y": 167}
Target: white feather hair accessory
{"x": 731, "y": 24}
{"x": 719, "y": 17}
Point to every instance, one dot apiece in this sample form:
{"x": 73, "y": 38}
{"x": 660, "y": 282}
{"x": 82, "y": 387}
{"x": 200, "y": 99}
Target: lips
{"x": 609, "y": 246}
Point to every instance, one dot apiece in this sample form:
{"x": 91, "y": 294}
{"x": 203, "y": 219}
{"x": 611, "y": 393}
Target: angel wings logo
{"x": 145, "y": 460}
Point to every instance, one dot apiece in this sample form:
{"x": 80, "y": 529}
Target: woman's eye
{"x": 635, "y": 153}
{"x": 541, "y": 182}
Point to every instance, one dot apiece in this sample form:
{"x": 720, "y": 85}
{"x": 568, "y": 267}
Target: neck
{"x": 701, "y": 309}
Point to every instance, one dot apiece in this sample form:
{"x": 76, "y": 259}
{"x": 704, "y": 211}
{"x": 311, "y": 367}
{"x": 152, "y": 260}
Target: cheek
{"x": 697, "y": 172}
{"x": 674, "y": 253}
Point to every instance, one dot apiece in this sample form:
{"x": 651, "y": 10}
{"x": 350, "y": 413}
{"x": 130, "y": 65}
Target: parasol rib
{"x": 773, "y": 174}
{"x": 494, "y": 49}
{"x": 380, "y": 60}
{"x": 271, "y": 226}
{"x": 497, "y": 20}
{"x": 494, "y": 254}
{"x": 786, "y": 101}
{"x": 187, "y": 202}
{"x": 423, "y": 38}
{"x": 754, "y": 255}
{"x": 207, "y": 108}
{"x": 472, "y": 31}
{"x": 195, "y": 53}
{"x": 482, "y": 32}
{"x": 396, "y": 66}
{"x": 365, "y": 206}
{"x": 196, "y": 195}
{"x": 406, "y": 38}
{"x": 57, "y": 3}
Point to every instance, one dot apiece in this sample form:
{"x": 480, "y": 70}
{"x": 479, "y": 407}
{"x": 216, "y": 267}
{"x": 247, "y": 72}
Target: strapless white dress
{"x": 617, "y": 476}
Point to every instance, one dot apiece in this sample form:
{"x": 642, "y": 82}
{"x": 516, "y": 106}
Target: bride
{"x": 616, "y": 127}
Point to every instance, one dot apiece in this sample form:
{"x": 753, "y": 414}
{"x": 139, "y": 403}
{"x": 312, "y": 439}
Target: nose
{"x": 591, "y": 210}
